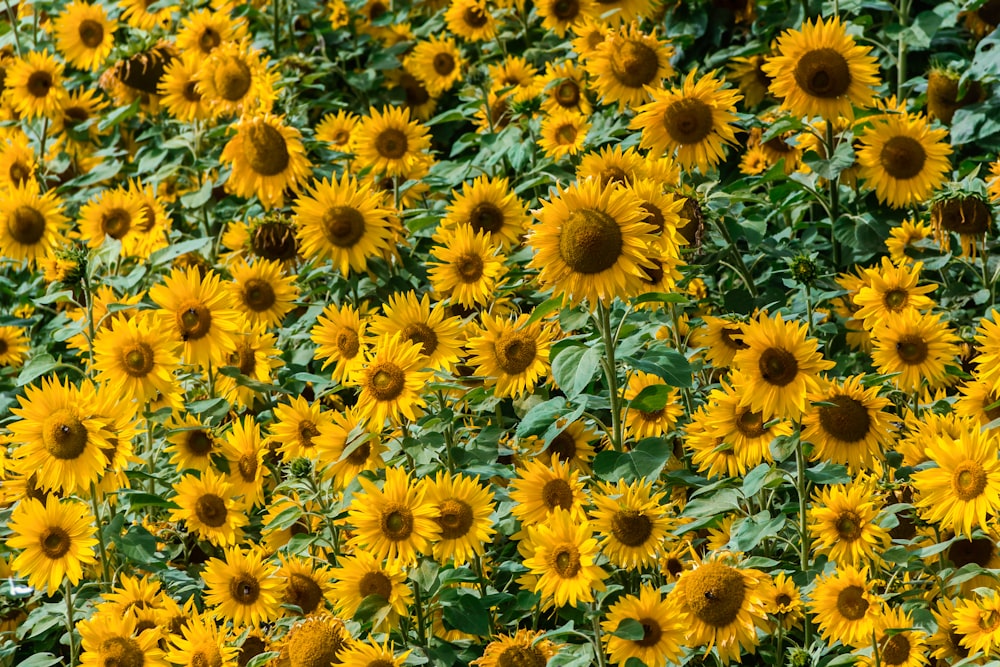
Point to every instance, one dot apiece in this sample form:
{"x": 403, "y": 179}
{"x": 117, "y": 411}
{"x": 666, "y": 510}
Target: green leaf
{"x": 747, "y": 533}
{"x": 175, "y": 250}
{"x": 651, "y": 398}
{"x": 828, "y": 473}
{"x": 830, "y": 168}
{"x": 37, "y": 365}
{"x": 755, "y": 479}
{"x": 40, "y": 660}
{"x": 669, "y": 365}
{"x": 286, "y": 518}
{"x": 200, "y": 197}
{"x": 137, "y": 499}
{"x": 645, "y": 461}
{"x": 575, "y": 367}
{"x": 631, "y": 629}
{"x": 262, "y": 659}
{"x": 659, "y": 297}
{"x": 117, "y": 116}
{"x": 468, "y": 614}
{"x": 545, "y": 308}
{"x": 541, "y": 416}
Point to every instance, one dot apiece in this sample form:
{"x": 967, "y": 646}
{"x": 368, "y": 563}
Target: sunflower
{"x": 691, "y": 123}
{"x": 464, "y": 507}
{"x": 641, "y": 424}
{"x": 440, "y": 338}
{"x": 235, "y": 79}
{"x": 632, "y": 522}
{"x": 848, "y": 425}
{"x": 396, "y": 522}
{"x": 590, "y": 32}
{"x": 469, "y": 266}
{"x": 317, "y": 641}
{"x": 200, "y": 642}
{"x": 722, "y": 606}
{"x": 978, "y": 401}
{"x": 57, "y": 538}
{"x": 31, "y": 223}
{"x": 416, "y": 98}
{"x": 62, "y": 439}
{"x": 779, "y": 367}
{"x": 563, "y": 558}
{"x": 191, "y": 444}
{"x": 437, "y": 63}
{"x": 390, "y": 143}
{"x": 563, "y": 133}
{"x": 899, "y": 644}
{"x": 202, "y": 31}
{"x": 663, "y": 630}
{"x": 749, "y": 76}
{"x": 390, "y": 381}
{"x": 346, "y": 449}
{"x": 821, "y": 71}
{"x": 742, "y": 428}
{"x": 179, "y": 90}
{"x": 209, "y": 509}
{"x": 541, "y": 488}
{"x": 335, "y": 130}
{"x": 307, "y": 584}
{"x": 243, "y": 587}
{"x": 296, "y": 427}
{"x": 629, "y": 65}
{"x": 721, "y": 338}
{"x": 195, "y": 310}
{"x": 559, "y": 16}
{"x": 13, "y": 346}
{"x": 255, "y": 357}
{"x": 906, "y": 240}
{"x": 917, "y": 346}
{"x": 903, "y": 159}
{"x": 261, "y": 292}
{"x": 843, "y": 523}
{"x": 614, "y": 12}
{"x": 488, "y": 206}
{"x": 845, "y": 608}
{"x": 711, "y": 455}
{"x": 118, "y": 641}
{"x": 136, "y": 358}
{"x": 244, "y": 452}
{"x": 975, "y": 625}
{"x": 891, "y": 291}
{"x": 360, "y": 576}
{"x": 511, "y": 354}
{"x": 137, "y": 13}
{"x": 471, "y": 20}
{"x": 987, "y": 339}
{"x": 113, "y": 213}
{"x": 84, "y": 35}
{"x": 524, "y": 647}
{"x": 80, "y": 107}
{"x": 515, "y": 77}
{"x": 18, "y": 164}
{"x": 784, "y": 601}
{"x": 267, "y": 158}
{"x": 370, "y": 654}
{"x": 34, "y": 85}
{"x": 572, "y": 445}
{"x": 338, "y": 334}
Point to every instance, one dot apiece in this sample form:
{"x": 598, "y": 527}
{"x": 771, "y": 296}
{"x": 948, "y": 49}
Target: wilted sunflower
{"x": 34, "y": 85}
{"x": 663, "y": 629}
{"x": 489, "y": 206}
{"x": 655, "y": 423}
{"x": 437, "y": 63}
{"x": 57, "y": 538}
{"x": 471, "y": 20}
{"x": 968, "y": 215}
{"x": 208, "y": 506}
{"x": 464, "y": 507}
{"x": 360, "y": 576}
{"x": 843, "y": 522}
{"x": 84, "y": 35}
{"x": 390, "y": 143}
{"x": 845, "y": 608}
{"x": 821, "y": 71}
{"x": 267, "y": 158}
{"x": 338, "y": 334}
{"x": 395, "y": 522}
{"x": 391, "y": 380}
{"x": 110, "y": 640}
{"x": 200, "y": 642}
{"x": 440, "y": 337}
{"x": 917, "y": 346}
{"x": 903, "y": 159}
{"x": 196, "y": 310}
{"x": 179, "y": 91}
{"x": 306, "y": 584}
{"x": 563, "y": 559}
{"x": 136, "y": 357}
{"x": 243, "y": 588}
{"x": 31, "y": 223}
{"x": 541, "y": 488}
{"x": 524, "y": 647}
{"x": 632, "y": 522}
{"x": 629, "y": 66}
{"x": 511, "y": 354}
{"x": 13, "y": 346}
{"x": 469, "y": 267}
{"x": 261, "y": 292}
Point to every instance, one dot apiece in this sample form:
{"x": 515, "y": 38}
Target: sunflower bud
{"x": 804, "y": 269}
{"x": 798, "y": 657}
{"x": 301, "y": 468}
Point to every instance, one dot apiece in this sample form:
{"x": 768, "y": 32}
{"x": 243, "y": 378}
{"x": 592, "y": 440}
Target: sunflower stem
{"x": 904, "y": 18}
{"x": 611, "y": 373}
{"x": 740, "y": 267}
{"x": 105, "y": 571}
{"x": 595, "y": 620}
{"x": 779, "y": 648}
{"x": 70, "y": 623}
{"x": 419, "y": 606}
{"x": 276, "y": 11}
{"x": 13, "y": 26}
{"x": 41, "y": 145}
{"x": 834, "y": 201}
{"x": 802, "y": 485}
{"x": 878, "y": 658}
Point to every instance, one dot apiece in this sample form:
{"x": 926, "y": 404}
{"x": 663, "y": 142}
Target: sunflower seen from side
{"x": 57, "y": 539}
{"x": 244, "y": 452}
{"x": 663, "y": 629}
{"x": 974, "y": 625}
{"x": 266, "y": 157}
{"x": 242, "y": 587}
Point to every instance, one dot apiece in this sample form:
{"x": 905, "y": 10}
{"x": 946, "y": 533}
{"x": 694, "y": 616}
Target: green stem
{"x": 809, "y": 309}
{"x": 610, "y": 366}
{"x": 741, "y": 267}
{"x": 598, "y": 648}
{"x": 105, "y": 570}
{"x": 276, "y": 12}
{"x": 802, "y": 485}
{"x": 779, "y": 650}
{"x": 875, "y": 653}
{"x": 70, "y": 623}
{"x": 904, "y": 18}
{"x": 419, "y": 607}
{"x": 13, "y": 26}
{"x": 834, "y": 209}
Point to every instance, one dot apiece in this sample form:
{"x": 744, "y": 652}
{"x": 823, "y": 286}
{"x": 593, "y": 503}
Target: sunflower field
{"x": 502, "y": 333}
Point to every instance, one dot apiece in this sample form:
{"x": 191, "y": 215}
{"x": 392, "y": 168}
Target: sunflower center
{"x": 566, "y": 134}
{"x": 116, "y": 222}
{"x": 443, "y": 63}
{"x": 903, "y": 157}
{"x": 396, "y": 522}
{"x": 469, "y": 267}
{"x": 688, "y": 121}
{"x": 138, "y": 360}
{"x": 419, "y": 332}
{"x": 211, "y": 510}
{"x": 486, "y": 217}
{"x": 244, "y": 588}
{"x": 55, "y": 542}
{"x": 590, "y": 241}
{"x": 121, "y": 652}
{"x": 557, "y": 493}
{"x": 751, "y": 424}
{"x": 343, "y": 226}
{"x": 209, "y": 39}
{"x": 851, "y": 603}
{"x": 778, "y": 366}
{"x": 91, "y": 33}
{"x": 654, "y": 216}
{"x": 39, "y": 84}
{"x": 673, "y": 566}
{"x": 635, "y": 64}
{"x": 823, "y": 73}
{"x": 307, "y": 431}
{"x": 386, "y": 381}
{"x": 782, "y": 600}
{"x": 979, "y": 551}
{"x": 715, "y": 594}
{"x": 232, "y": 78}
{"x": 303, "y": 592}
{"x": 198, "y": 443}
{"x": 64, "y": 435}
{"x": 522, "y": 656}
{"x": 651, "y": 632}
{"x": 455, "y": 519}
{"x": 26, "y": 225}
{"x": 895, "y": 650}
{"x": 360, "y": 455}
{"x": 515, "y": 352}
{"x": 265, "y": 150}
{"x": 565, "y": 560}
{"x": 475, "y": 17}
{"x": 912, "y": 350}
{"x": 194, "y": 320}
{"x": 969, "y": 480}
{"x": 147, "y": 219}
{"x": 732, "y": 338}
{"x": 206, "y": 656}
{"x": 895, "y": 299}
{"x": 391, "y": 143}
{"x": 315, "y": 643}
{"x": 567, "y": 93}
{"x": 563, "y": 446}
{"x": 348, "y": 343}
{"x": 631, "y": 527}
{"x": 258, "y": 295}
{"x": 849, "y": 526}
{"x": 4, "y": 347}
{"x": 19, "y": 172}
{"x": 613, "y": 174}
{"x": 846, "y": 420}
{"x": 375, "y": 583}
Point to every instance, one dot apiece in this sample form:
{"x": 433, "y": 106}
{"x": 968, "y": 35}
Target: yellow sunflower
{"x": 524, "y": 647}
{"x": 361, "y": 576}
{"x": 471, "y": 20}
{"x": 306, "y": 584}
{"x": 903, "y": 159}
{"x": 663, "y": 629}
{"x": 318, "y": 640}
{"x": 57, "y": 538}
{"x": 629, "y": 65}
{"x": 31, "y": 223}
{"x": 35, "y": 86}
{"x": 179, "y": 90}
{"x": 267, "y": 158}
{"x": 338, "y": 334}
{"x": 469, "y": 266}
{"x": 207, "y": 506}
{"x": 974, "y": 625}
{"x": 563, "y": 133}
{"x": 916, "y": 346}
{"x": 978, "y": 401}
{"x": 335, "y": 130}
{"x": 370, "y": 654}
{"x": 692, "y": 123}
{"x": 820, "y": 71}
{"x": 84, "y": 35}
{"x": 559, "y": 16}
{"x": 13, "y": 346}
{"x": 518, "y": 77}
{"x": 136, "y": 358}
{"x": 541, "y": 488}
{"x": 905, "y": 239}
{"x": 641, "y": 424}
{"x": 632, "y": 522}
{"x": 491, "y": 207}
{"x": 721, "y": 338}
{"x": 845, "y": 608}
{"x": 391, "y": 381}
{"x": 390, "y": 143}
{"x": 296, "y": 426}
{"x": 137, "y": 13}
{"x": 437, "y": 63}
{"x": 261, "y": 292}
{"x": 243, "y": 587}
{"x": 202, "y": 31}
{"x": 244, "y": 452}
{"x": 511, "y": 354}
{"x": 987, "y": 339}
{"x": 396, "y": 522}
{"x": 564, "y": 559}
{"x": 785, "y": 601}
{"x": 899, "y": 643}
{"x": 113, "y": 213}
{"x": 191, "y": 444}
{"x": 464, "y": 507}
{"x": 18, "y": 164}
{"x": 440, "y": 338}
{"x": 119, "y": 640}
{"x": 235, "y": 79}
{"x": 843, "y": 523}
{"x": 199, "y": 642}
{"x": 346, "y": 448}
{"x": 847, "y": 424}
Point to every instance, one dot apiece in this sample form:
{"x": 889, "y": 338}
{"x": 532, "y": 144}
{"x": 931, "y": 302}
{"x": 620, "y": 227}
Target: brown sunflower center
{"x": 246, "y": 357}
{"x": 566, "y": 134}
{"x": 315, "y": 643}
{"x": 360, "y": 455}
{"x": 895, "y": 650}
{"x": 396, "y": 522}
{"x": 121, "y": 652}
{"x": 198, "y": 443}
{"x": 251, "y": 647}
{"x": 55, "y": 542}
{"x": 567, "y": 94}
{"x": 138, "y": 360}
{"x": 455, "y": 518}
{"x": 557, "y": 493}
{"x": 750, "y": 424}
{"x": 846, "y": 420}
{"x": 265, "y": 149}
{"x": 522, "y": 656}
{"x": 3, "y": 347}
{"x": 563, "y": 446}
{"x": 211, "y": 510}
{"x": 564, "y": 560}
{"x": 147, "y": 218}
{"x": 654, "y": 216}
{"x": 777, "y": 366}
{"x": 688, "y": 121}
{"x": 651, "y": 632}
{"x": 348, "y": 343}
{"x": 732, "y": 338}
{"x": 307, "y": 431}
{"x": 443, "y": 63}
{"x": 903, "y": 157}
{"x": 469, "y": 267}
{"x": 248, "y": 467}
{"x": 420, "y": 332}
{"x": 232, "y": 78}
{"x": 590, "y": 241}
{"x": 475, "y": 17}
{"x": 209, "y": 39}
{"x": 39, "y": 84}
{"x": 715, "y": 594}
{"x": 968, "y": 481}
{"x": 26, "y": 225}
{"x": 116, "y": 222}
{"x": 91, "y": 33}
{"x": 375, "y": 583}
{"x": 64, "y": 435}
{"x": 634, "y": 64}
{"x": 631, "y": 527}
{"x": 851, "y": 603}
{"x": 343, "y": 226}
{"x": 303, "y": 592}
{"x": 515, "y": 352}
{"x": 823, "y": 73}
{"x": 979, "y": 550}
{"x": 895, "y": 299}
{"x": 486, "y": 217}
{"x": 244, "y": 588}
{"x": 386, "y": 381}
{"x": 912, "y": 350}
{"x": 391, "y": 143}
{"x": 19, "y": 172}
{"x": 206, "y": 656}
{"x": 782, "y": 600}
{"x": 194, "y": 320}
{"x": 614, "y": 174}
{"x": 258, "y": 295}
{"x": 970, "y": 216}
{"x": 848, "y": 525}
